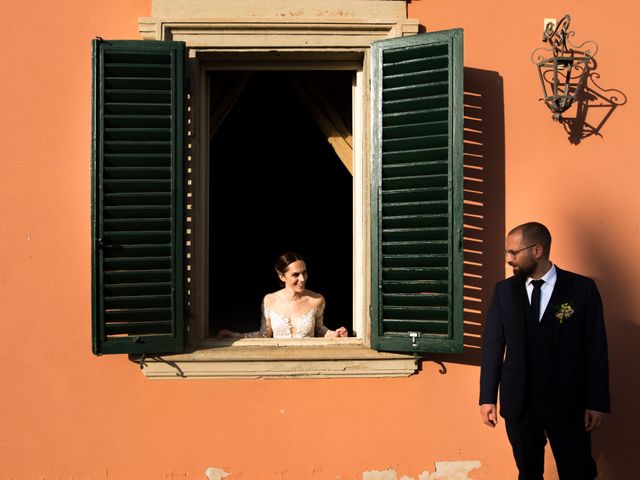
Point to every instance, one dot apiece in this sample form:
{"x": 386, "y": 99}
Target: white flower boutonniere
{"x": 565, "y": 311}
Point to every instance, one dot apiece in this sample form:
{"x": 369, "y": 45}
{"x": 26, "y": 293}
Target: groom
{"x": 545, "y": 347}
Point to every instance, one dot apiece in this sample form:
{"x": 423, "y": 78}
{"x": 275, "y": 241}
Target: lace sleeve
{"x": 320, "y": 330}
{"x": 265, "y": 328}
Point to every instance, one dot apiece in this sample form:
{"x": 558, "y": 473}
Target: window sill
{"x": 287, "y": 358}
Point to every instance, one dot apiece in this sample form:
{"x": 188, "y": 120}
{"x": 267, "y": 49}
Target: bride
{"x": 293, "y": 311}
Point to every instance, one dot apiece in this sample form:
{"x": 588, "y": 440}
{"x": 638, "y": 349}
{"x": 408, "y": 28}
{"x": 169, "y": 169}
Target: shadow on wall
{"x": 594, "y": 107}
{"x": 617, "y": 443}
{"x": 484, "y": 203}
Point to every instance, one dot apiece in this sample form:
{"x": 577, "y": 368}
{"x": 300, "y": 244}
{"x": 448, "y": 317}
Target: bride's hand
{"x": 341, "y": 332}
{"x": 224, "y": 334}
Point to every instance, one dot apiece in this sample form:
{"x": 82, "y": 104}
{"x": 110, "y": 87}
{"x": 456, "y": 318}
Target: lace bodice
{"x": 276, "y": 325}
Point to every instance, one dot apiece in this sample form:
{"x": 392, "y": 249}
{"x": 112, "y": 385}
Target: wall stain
{"x": 213, "y": 473}
{"x": 456, "y": 470}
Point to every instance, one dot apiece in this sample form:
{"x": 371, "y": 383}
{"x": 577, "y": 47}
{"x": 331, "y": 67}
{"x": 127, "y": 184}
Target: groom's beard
{"x": 523, "y": 272}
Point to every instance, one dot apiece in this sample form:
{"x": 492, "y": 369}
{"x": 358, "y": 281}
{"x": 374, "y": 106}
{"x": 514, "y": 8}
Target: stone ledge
{"x": 280, "y": 359}
{"x": 279, "y": 8}
{"x": 275, "y": 33}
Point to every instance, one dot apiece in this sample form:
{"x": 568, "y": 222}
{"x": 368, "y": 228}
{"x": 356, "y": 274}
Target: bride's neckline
{"x": 292, "y": 317}
{"x": 292, "y": 300}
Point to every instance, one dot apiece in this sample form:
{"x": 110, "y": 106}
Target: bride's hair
{"x": 285, "y": 260}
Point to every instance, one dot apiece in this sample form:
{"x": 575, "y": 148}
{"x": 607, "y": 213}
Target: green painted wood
{"x": 137, "y": 197}
{"x": 417, "y": 208}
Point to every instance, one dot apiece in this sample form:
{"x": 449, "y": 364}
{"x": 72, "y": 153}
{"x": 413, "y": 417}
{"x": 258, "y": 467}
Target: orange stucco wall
{"x": 65, "y": 414}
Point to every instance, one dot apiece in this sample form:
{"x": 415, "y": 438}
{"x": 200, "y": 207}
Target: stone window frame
{"x": 335, "y": 43}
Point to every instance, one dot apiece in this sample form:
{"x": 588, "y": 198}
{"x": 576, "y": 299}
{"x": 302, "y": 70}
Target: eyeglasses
{"x": 513, "y": 253}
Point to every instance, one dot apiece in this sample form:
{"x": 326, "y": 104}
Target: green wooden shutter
{"x": 417, "y": 197}
{"x": 137, "y": 197}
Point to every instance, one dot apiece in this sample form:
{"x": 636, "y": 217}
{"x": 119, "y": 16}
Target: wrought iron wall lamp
{"x": 563, "y": 67}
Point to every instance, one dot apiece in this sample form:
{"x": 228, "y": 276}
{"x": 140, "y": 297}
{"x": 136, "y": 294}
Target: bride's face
{"x": 295, "y": 276}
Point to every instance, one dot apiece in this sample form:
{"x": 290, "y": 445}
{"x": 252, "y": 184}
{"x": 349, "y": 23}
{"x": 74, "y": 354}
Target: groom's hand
{"x": 593, "y": 419}
{"x": 489, "y": 414}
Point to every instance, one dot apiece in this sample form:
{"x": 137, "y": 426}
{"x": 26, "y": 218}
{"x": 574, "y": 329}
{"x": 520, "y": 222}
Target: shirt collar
{"x": 549, "y": 278}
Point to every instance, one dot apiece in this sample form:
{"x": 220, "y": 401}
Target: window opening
{"x": 276, "y": 184}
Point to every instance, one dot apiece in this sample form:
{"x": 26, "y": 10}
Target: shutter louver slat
{"x": 152, "y": 199}
{"x": 414, "y": 169}
{"x": 138, "y": 204}
{"x": 415, "y": 143}
{"x": 138, "y": 83}
{"x": 414, "y": 78}
{"x": 115, "y": 329}
{"x": 137, "y": 109}
{"x": 409, "y": 105}
{"x": 116, "y": 238}
{"x": 421, "y": 115}
{"x": 137, "y": 172}
{"x": 150, "y": 288}
{"x": 415, "y": 220}
{"x": 412, "y": 156}
{"x": 138, "y": 134}
{"x": 416, "y": 129}
{"x": 137, "y": 301}
{"x": 133, "y": 223}
{"x": 137, "y": 121}
{"x": 414, "y": 299}
{"x": 413, "y": 91}
{"x": 415, "y": 273}
{"x": 416, "y": 260}
{"x": 137, "y": 263}
{"x": 408, "y": 181}
{"x": 114, "y": 277}
{"x": 138, "y": 160}
{"x": 418, "y": 216}
{"x": 415, "y": 208}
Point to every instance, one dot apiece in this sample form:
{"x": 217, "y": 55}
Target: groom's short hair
{"x": 535, "y": 232}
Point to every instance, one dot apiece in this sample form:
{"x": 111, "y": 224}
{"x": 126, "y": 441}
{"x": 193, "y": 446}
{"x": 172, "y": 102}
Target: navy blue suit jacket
{"x": 580, "y": 378}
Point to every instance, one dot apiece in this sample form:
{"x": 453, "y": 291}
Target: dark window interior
{"x": 277, "y": 185}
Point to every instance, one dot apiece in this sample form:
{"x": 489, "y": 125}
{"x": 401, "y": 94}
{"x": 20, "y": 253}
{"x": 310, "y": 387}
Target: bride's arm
{"x": 321, "y": 330}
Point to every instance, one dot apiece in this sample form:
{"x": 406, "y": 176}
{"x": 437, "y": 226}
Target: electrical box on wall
{"x": 551, "y": 21}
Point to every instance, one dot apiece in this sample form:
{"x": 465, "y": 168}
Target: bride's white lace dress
{"x": 276, "y": 325}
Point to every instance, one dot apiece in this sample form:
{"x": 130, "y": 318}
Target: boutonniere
{"x": 564, "y": 311}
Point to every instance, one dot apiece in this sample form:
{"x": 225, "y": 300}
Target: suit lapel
{"x": 518, "y": 294}
{"x": 561, "y": 293}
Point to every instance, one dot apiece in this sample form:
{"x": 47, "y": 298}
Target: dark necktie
{"x": 535, "y": 299}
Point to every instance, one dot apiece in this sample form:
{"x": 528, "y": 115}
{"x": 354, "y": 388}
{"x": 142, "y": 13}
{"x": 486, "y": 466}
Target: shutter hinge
{"x": 102, "y": 40}
{"x": 414, "y": 338}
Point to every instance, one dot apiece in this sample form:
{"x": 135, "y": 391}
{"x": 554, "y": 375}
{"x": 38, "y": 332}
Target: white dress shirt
{"x": 546, "y": 289}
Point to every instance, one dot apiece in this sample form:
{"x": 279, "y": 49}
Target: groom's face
{"x": 522, "y": 261}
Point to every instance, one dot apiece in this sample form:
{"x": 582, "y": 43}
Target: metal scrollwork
{"x": 563, "y": 67}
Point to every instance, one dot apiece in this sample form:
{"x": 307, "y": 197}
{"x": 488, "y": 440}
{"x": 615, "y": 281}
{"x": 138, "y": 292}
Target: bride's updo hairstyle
{"x": 285, "y": 260}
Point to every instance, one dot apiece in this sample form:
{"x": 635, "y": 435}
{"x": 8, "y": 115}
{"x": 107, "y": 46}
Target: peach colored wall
{"x": 585, "y": 193}
{"x": 65, "y": 414}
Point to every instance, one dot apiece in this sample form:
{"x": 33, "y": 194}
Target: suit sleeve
{"x": 596, "y": 354}
{"x": 493, "y": 343}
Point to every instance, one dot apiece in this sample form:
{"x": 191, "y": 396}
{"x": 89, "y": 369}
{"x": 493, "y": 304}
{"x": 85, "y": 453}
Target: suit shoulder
{"x": 506, "y": 283}
{"x": 503, "y": 288}
{"x": 580, "y": 281}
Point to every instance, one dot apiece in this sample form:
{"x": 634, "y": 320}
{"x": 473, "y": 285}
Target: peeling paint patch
{"x": 380, "y": 475}
{"x": 457, "y": 470}
{"x": 213, "y": 473}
